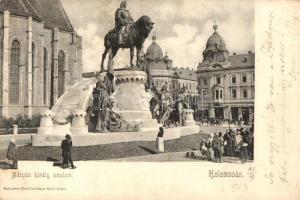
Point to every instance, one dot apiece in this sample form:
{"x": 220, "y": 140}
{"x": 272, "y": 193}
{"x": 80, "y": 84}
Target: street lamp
{"x": 228, "y": 115}
{"x": 202, "y": 97}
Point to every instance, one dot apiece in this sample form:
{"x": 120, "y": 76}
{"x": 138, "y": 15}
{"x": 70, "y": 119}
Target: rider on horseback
{"x": 122, "y": 19}
{"x": 137, "y": 32}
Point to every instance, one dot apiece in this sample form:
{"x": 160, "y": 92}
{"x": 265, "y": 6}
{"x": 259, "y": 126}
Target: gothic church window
{"x": 45, "y": 63}
{"x": 14, "y": 72}
{"x": 61, "y": 66}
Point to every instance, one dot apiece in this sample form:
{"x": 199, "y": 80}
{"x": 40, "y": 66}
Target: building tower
{"x": 215, "y": 50}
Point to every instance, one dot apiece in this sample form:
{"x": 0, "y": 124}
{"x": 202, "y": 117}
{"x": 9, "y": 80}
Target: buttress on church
{"x": 40, "y": 55}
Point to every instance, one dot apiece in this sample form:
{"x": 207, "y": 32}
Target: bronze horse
{"x": 137, "y": 33}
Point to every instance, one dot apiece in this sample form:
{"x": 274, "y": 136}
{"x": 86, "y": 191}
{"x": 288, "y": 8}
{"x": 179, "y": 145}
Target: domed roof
{"x": 215, "y": 50}
{"x": 154, "y": 51}
{"x": 215, "y": 41}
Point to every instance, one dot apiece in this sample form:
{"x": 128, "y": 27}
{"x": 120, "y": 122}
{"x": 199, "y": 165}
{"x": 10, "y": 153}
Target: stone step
{"x": 114, "y": 137}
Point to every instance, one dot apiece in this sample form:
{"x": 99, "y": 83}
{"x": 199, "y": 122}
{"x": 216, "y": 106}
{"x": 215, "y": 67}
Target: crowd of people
{"x": 234, "y": 143}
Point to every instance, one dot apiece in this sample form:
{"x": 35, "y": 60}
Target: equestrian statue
{"x": 127, "y": 34}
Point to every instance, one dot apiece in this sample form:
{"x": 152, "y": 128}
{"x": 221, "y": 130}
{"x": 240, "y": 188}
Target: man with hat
{"x": 66, "y": 147}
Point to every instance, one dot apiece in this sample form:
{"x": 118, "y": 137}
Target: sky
{"x": 182, "y": 27}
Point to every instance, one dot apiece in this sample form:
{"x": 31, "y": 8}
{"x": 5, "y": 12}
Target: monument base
{"x": 132, "y": 100}
{"x": 142, "y": 118}
{"x": 189, "y": 118}
{"x": 90, "y": 139}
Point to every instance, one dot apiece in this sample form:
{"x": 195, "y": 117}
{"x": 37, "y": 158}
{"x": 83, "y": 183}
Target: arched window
{"x": 61, "y": 66}
{"x": 45, "y": 65}
{"x": 14, "y": 72}
{"x": 33, "y": 54}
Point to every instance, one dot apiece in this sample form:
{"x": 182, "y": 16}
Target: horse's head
{"x": 144, "y": 24}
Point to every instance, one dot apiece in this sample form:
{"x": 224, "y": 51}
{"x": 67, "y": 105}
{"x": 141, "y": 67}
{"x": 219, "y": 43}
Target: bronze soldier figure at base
{"x": 66, "y": 147}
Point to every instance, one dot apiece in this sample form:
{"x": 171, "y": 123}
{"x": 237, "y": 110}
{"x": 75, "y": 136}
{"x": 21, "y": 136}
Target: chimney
{"x": 249, "y": 52}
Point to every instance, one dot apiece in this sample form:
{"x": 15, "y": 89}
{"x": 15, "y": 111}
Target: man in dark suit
{"x": 66, "y": 147}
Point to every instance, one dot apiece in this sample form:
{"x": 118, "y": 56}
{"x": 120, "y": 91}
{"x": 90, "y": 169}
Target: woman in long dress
{"x": 12, "y": 154}
{"x": 210, "y": 151}
{"x": 160, "y": 140}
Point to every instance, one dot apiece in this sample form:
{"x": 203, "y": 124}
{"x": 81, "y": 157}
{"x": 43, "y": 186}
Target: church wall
{"x": 66, "y": 44}
{"x": 48, "y": 46}
{"x": 28, "y": 31}
{"x": 38, "y": 83}
{"x": 41, "y": 37}
{"x": 79, "y": 59}
{"x": 18, "y": 30}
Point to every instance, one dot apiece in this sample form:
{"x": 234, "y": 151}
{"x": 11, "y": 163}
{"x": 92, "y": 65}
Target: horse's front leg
{"x": 112, "y": 54}
{"x": 131, "y": 56}
{"x": 103, "y": 58}
{"x": 138, "y": 52}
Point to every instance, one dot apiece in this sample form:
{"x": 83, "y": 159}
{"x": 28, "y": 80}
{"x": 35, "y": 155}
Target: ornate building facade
{"x": 164, "y": 73}
{"x": 40, "y": 55}
{"x": 226, "y": 82}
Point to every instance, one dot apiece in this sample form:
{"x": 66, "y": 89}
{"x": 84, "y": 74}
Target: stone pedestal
{"x": 78, "y": 122}
{"x": 132, "y": 100}
{"x": 46, "y": 124}
{"x": 189, "y": 118}
{"x": 15, "y": 129}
